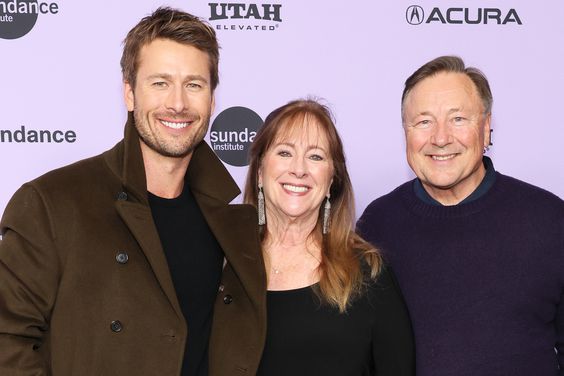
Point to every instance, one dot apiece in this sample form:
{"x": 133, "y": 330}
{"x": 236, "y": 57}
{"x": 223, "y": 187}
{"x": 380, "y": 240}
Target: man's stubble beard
{"x": 163, "y": 147}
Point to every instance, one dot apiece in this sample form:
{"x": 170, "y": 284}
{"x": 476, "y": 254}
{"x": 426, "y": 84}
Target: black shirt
{"x": 195, "y": 260}
{"x": 305, "y": 337}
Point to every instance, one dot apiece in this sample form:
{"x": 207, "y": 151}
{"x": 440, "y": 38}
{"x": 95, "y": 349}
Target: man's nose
{"x": 177, "y": 99}
{"x": 442, "y": 134}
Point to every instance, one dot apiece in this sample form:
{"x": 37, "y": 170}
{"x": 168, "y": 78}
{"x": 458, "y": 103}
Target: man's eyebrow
{"x": 451, "y": 111}
{"x": 166, "y": 76}
{"x": 196, "y": 77}
{"x": 424, "y": 113}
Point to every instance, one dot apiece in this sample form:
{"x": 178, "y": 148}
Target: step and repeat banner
{"x": 61, "y": 96}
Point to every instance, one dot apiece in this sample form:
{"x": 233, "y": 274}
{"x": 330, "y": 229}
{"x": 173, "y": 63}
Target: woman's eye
{"x": 316, "y": 157}
{"x": 284, "y": 153}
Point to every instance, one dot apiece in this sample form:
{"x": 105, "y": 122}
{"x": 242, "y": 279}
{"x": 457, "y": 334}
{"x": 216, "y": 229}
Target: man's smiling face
{"x": 446, "y": 131}
{"x": 172, "y": 99}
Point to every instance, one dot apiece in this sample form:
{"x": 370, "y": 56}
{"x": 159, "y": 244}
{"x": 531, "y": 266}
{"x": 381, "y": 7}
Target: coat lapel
{"x": 234, "y": 226}
{"x": 139, "y": 220}
{"x": 126, "y": 161}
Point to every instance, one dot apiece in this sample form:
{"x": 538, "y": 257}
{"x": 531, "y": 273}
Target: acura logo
{"x": 414, "y": 15}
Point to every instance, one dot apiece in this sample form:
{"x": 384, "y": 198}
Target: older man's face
{"x": 446, "y": 131}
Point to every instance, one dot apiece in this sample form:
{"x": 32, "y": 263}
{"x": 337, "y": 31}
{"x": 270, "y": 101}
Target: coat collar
{"x": 234, "y": 226}
{"x": 204, "y": 171}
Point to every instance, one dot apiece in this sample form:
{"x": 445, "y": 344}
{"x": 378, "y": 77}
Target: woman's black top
{"x": 305, "y": 337}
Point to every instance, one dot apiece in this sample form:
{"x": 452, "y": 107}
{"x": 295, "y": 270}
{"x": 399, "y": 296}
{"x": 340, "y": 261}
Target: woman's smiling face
{"x": 296, "y": 172}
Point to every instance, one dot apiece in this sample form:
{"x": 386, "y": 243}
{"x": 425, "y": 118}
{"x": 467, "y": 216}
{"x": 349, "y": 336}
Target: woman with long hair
{"x": 333, "y": 307}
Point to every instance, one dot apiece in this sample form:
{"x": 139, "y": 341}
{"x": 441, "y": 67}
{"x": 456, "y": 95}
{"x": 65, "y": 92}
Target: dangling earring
{"x": 486, "y": 148}
{"x": 261, "y": 213}
{"x": 327, "y": 215}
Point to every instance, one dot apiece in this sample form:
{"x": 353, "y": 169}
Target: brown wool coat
{"x": 68, "y": 307}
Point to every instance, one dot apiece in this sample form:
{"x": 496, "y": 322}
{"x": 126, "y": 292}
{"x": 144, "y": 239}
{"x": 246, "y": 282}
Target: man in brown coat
{"x": 112, "y": 265}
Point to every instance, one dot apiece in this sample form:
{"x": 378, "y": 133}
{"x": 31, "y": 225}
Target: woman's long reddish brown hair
{"x": 343, "y": 252}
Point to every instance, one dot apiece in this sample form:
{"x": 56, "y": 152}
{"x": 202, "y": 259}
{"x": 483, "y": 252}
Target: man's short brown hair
{"x": 453, "y": 64}
{"x": 173, "y": 24}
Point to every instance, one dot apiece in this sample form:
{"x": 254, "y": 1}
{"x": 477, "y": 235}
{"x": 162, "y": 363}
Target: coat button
{"x": 116, "y": 326}
{"x": 227, "y": 299}
{"x": 122, "y": 257}
{"x": 221, "y": 288}
{"x": 122, "y": 196}
{"x": 170, "y": 336}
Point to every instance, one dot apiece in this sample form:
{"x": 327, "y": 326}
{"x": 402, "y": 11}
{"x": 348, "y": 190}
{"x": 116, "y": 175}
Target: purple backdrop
{"x": 64, "y": 75}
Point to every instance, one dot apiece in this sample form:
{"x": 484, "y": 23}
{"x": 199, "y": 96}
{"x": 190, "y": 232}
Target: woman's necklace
{"x": 292, "y": 264}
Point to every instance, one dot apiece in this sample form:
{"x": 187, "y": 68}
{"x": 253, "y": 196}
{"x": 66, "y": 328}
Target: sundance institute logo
{"x": 18, "y": 17}
{"x": 232, "y": 133}
{"x": 245, "y": 17}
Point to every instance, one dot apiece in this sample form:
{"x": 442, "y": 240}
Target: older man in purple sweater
{"x": 478, "y": 255}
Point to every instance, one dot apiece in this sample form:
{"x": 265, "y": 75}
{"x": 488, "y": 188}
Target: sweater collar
{"x": 486, "y": 183}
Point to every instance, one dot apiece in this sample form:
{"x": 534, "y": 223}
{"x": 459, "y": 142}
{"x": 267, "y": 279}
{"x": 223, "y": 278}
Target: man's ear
{"x": 128, "y": 96}
{"x": 488, "y": 130}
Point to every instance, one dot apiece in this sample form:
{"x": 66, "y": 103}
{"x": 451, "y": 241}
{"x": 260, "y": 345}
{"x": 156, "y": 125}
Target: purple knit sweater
{"x": 483, "y": 281}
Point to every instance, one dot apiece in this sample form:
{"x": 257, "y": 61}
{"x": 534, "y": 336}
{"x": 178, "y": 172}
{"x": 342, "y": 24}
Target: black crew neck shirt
{"x": 308, "y": 338}
{"x": 195, "y": 260}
